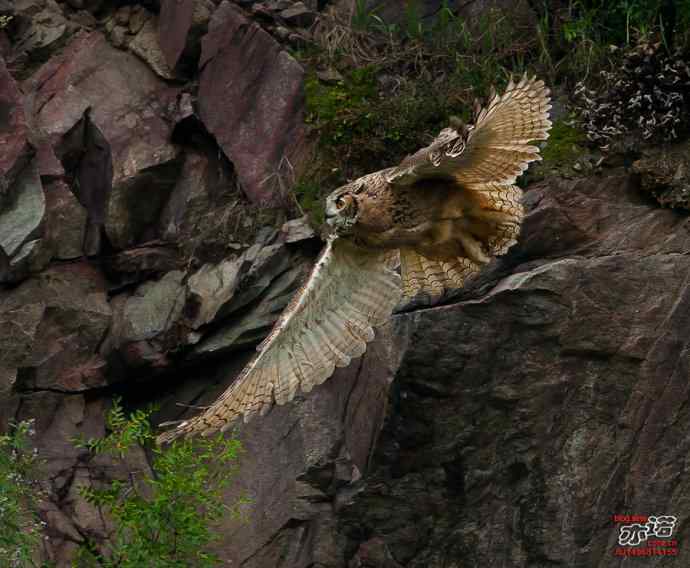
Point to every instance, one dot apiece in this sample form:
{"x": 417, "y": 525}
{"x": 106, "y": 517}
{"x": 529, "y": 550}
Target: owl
{"x": 420, "y": 228}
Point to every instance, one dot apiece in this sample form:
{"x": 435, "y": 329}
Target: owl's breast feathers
{"x": 390, "y": 217}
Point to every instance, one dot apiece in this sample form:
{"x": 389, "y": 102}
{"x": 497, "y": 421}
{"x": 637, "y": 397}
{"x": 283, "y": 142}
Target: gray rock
{"x": 21, "y": 220}
{"x": 19, "y": 326}
{"x": 146, "y": 45}
{"x": 137, "y": 18}
{"x": 135, "y": 264}
{"x": 46, "y": 27}
{"x": 33, "y": 256}
{"x": 118, "y": 37}
{"x": 266, "y": 264}
{"x": 281, "y": 33}
{"x": 122, "y": 15}
{"x": 249, "y": 328}
{"x": 665, "y": 173}
{"x": 218, "y": 290}
{"x": 298, "y": 15}
{"x": 52, "y": 326}
{"x": 193, "y": 205}
{"x": 154, "y": 308}
{"x": 329, "y": 76}
{"x": 297, "y": 230}
{"x": 207, "y": 216}
{"x": 280, "y": 5}
{"x": 65, "y": 222}
{"x": 212, "y": 287}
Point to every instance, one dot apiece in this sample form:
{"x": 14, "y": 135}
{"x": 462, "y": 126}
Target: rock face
{"x": 22, "y": 203}
{"x": 550, "y": 397}
{"x": 139, "y": 255}
{"x": 251, "y": 100}
{"x": 665, "y": 173}
{"x": 13, "y": 131}
{"x": 181, "y": 27}
{"x": 117, "y": 148}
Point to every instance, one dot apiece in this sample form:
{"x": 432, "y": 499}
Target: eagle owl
{"x": 440, "y": 215}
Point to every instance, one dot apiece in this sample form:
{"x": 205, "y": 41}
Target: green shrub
{"x": 20, "y": 527}
{"x": 162, "y": 520}
{"x": 564, "y": 145}
{"x": 341, "y": 111}
{"x": 400, "y": 82}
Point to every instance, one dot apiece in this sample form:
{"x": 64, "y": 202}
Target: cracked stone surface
{"x": 551, "y": 394}
{"x": 665, "y": 173}
{"x": 257, "y": 116}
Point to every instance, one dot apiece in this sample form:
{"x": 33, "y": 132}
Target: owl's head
{"x": 342, "y": 208}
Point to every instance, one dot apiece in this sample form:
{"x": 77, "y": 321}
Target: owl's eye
{"x": 340, "y": 203}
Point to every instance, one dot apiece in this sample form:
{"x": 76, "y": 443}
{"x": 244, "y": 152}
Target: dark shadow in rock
{"x": 85, "y": 154}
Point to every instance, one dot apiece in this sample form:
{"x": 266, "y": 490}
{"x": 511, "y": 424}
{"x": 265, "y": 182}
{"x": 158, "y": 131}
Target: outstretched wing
{"x": 484, "y": 161}
{"x": 495, "y": 150}
{"x": 328, "y": 323}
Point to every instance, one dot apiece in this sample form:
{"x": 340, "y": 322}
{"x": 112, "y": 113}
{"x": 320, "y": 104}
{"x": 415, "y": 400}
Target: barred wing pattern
{"x": 328, "y": 323}
{"x": 500, "y": 203}
{"x": 495, "y": 150}
{"x": 484, "y": 160}
{"x": 421, "y": 275}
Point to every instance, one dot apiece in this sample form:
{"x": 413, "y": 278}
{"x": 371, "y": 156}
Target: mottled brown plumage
{"x": 443, "y": 213}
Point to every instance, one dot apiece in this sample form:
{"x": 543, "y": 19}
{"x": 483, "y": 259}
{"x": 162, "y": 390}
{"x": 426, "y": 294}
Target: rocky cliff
{"x": 148, "y": 242}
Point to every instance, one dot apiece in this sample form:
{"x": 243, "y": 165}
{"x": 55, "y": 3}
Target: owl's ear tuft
{"x": 456, "y": 122}
{"x": 476, "y": 108}
{"x": 492, "y": 93}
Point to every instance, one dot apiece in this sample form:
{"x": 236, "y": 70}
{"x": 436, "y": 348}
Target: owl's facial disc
{"x": 341, "y": 211}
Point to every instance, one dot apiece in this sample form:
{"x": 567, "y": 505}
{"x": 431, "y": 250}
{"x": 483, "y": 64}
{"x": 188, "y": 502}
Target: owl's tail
{"x": 432, "y": 278}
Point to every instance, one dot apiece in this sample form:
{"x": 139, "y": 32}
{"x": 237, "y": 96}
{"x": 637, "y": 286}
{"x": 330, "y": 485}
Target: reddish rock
{"x": 202, "y": 196}
{"x": 181, "y": 26}
{"x": 251, "y": 99}
{"x": 373, "y": 553}
{"x": 173, "y": 26}
{"x": 127, "y": 105}
{"x": 65, "y": 314}
{"x": 14, "y": 146}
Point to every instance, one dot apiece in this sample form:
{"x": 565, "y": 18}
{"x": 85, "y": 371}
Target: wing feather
{"x": 327, "y": 324}
{"x": 496, "y": 149}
